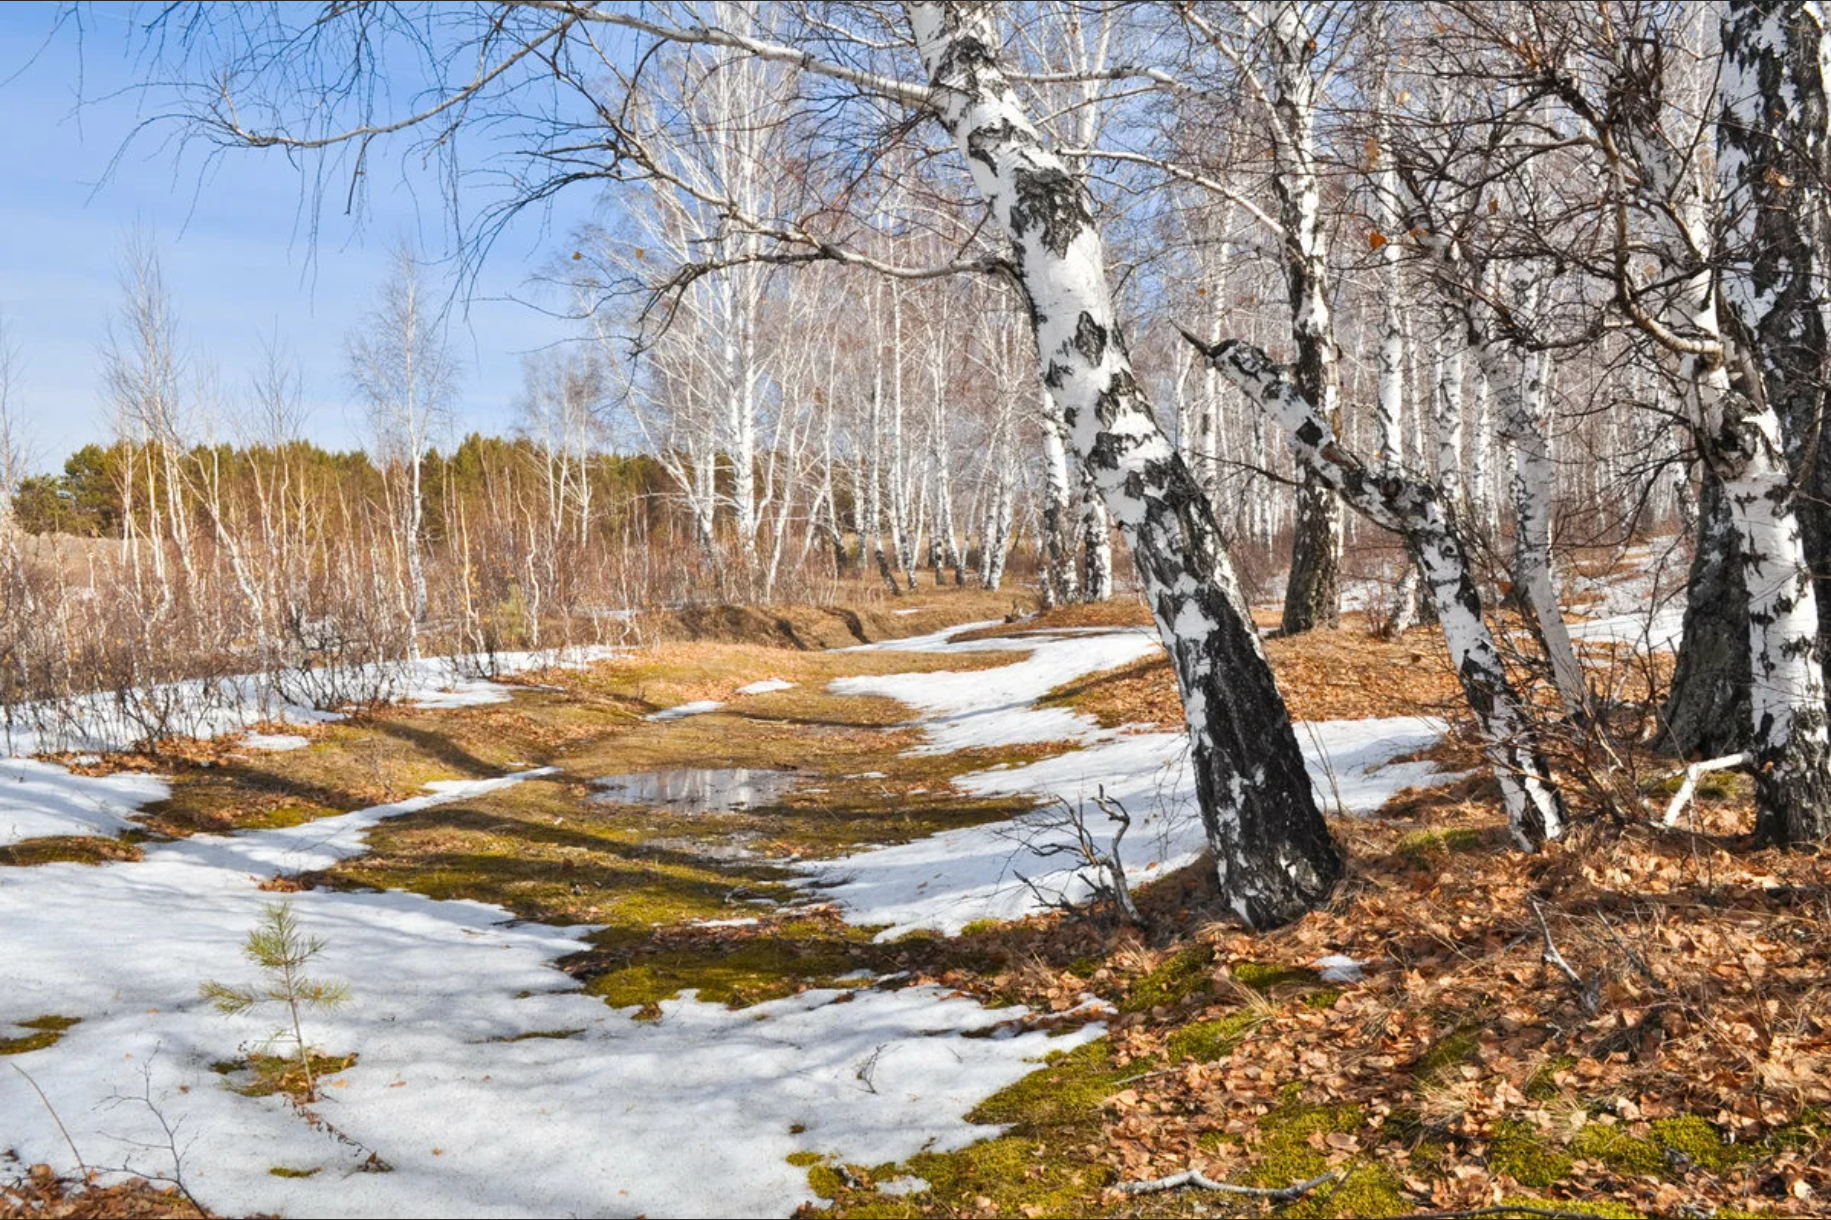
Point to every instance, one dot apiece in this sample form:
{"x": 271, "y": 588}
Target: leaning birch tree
{"x": 1272, "y": 848}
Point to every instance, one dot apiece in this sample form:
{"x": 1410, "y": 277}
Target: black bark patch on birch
{"x": 1090, "y": 338}
{"x": 1053, "y": 200}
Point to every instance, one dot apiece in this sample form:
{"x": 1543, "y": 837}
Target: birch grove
{"x": 1075, "y": 301}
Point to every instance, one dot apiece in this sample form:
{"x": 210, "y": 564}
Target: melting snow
{"x": 947, "y": 881}
{"x": 698, "y": 707}
{"x": 691, "y": 1114}
{"x": 273, "y": 741}
{"x": 688, "y": 1115}
{"x": 97, "y": 722}
{"x": 1340, "y": 968}
{"x": 39, "y": 799}
{"x": 765, "y": 687}
{"x": 961, "y": 710}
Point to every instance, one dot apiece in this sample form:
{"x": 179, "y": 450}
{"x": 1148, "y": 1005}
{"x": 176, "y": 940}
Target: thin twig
{"x": 1587, "y": 993}
{"x": 1201, "y": 1181}
{"x": 52, "y": 1110}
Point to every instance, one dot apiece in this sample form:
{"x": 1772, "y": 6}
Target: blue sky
{"x": 236, "y": 244}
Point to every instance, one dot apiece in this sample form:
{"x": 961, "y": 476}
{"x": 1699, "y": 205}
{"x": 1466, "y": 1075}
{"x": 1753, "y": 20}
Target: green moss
{"x": 762, "y": 968}
{"x": 1206, "y": 1041}
{"x": 281, "y": 1171}
{"x": 1367, "y": 1189}
{"x": 1181, "y": 975}
{"x": 978, "y": 926}
{"x": 801, "y": 1160}
{"x": 1323, "y": 998}
{"x": 1605, "y": 1209}
{"x": 1263, "y": 976}
{"x": 1069, "y": 1090}
{"x": 1621, "y": 1152}
{"x": 1712, "y": 785}
{"x": 1020, "y": 1174}
{"x": 1542, "y": 1085}
{"x": 1671, "y": 1146}
{"x": 1085, "y": 967}
{"x": 1698, "y": 1140}
{"x": 47, "y": 1031}
{"x": 1451, "y": 1050}
{"x": 1809, "y": 1129}
{"x": 1521, "y": 1152}
{"x": 1426, "y": 1144}
{"x": 1420, "y": 844}
{"x": 1286, "y": 1156}
{"x": 71, "y": 849}
{"x": 265, "y": 1075}
{"x": 1036, "y": 1167}
{"x": 535, "y": 1034}
{"x": 824, "y": 1181}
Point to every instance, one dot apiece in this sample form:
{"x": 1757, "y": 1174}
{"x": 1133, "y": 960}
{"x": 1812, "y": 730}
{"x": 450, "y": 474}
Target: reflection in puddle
{"x": 721, "y": 790}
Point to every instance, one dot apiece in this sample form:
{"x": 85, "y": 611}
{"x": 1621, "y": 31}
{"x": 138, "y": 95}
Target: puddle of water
{"x": 720, "y": 790}
{"x": 729, "y": 851}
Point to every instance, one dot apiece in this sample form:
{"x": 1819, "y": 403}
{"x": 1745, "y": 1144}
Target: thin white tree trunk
{"x": 1449, "y": 422}
{"x": 1060, "y": 581}
{"x": 1523, "y": 424}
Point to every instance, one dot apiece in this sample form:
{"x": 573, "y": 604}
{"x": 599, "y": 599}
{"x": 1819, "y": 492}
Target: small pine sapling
{"x": 282, "y": 951}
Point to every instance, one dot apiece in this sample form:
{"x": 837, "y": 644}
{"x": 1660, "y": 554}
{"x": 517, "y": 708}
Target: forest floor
{"x": 774, "y": 953}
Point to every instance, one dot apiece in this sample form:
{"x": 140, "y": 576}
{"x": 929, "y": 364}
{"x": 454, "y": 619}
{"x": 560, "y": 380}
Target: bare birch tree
{"x": 402, "y": 367}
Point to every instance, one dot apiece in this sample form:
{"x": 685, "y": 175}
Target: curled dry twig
{"x": 1201, "y": 1181}
{"x": 1103, "y": 869}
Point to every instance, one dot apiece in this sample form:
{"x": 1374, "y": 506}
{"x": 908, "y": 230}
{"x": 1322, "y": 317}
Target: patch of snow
{"x": 908, "y": 1184}
{"x": 1340, "y": 968}
{"x": 766, "y": 686}
{"x": 698, "y": 707}
{"x": 1659, "y": 631}
{"x": 38, "y": 799}
{"x": 687, "y": 1115}
{"x": 951, "y": 879}
{"x": 468, "y": 692}
{"x": 965, "y": 709}
{"x": 924, "y": 643}
{"x": 273, "y": 741}
{"x": 204, "y": 710}
{"x": 1639, "y": 601}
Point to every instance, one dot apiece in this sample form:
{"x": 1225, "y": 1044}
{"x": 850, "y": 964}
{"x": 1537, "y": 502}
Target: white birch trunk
{"x": 1414, "y": 509}
{"x": 1313, "y": 593}
{"x": 1774, "y": 105}
{"x": 1449, "y": 422}
{"x": 1097, "y": 539}
{"x": 1523, "y": 424}
{"x": 1272, "y": 849}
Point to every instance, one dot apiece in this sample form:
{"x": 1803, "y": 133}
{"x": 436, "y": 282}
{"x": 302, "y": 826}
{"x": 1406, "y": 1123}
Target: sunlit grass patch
{"x": 72, "y": 849}
{"x": 264, "y": 1075}
{"x": 43, "y": 1032}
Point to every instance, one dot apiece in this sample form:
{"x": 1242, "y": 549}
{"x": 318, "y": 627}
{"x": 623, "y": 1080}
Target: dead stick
{"x": 1695, "y": 772}
{"x": 1201, "y": 1181}
{"x": 1585, "y": 996}
{"x": 52, "y": 1110}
